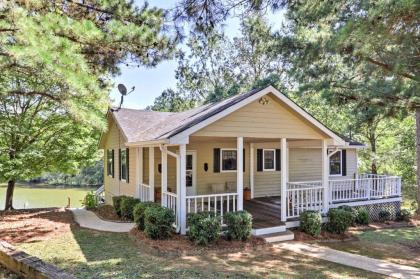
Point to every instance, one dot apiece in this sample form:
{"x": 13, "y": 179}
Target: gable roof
{"x": 140, "y": 126}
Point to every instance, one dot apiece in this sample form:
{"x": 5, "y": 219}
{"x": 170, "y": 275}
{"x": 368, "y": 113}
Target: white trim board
{"x": 366, "y": 202}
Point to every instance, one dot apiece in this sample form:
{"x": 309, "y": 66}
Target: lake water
{"x": 44, "y": 196}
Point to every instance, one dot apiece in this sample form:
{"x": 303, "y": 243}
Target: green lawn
{"x": 396, "y": 245}
{"x": 89, "y": 254}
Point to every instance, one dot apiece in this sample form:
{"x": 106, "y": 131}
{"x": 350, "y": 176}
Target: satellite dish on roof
{"x": 123, "y": 91}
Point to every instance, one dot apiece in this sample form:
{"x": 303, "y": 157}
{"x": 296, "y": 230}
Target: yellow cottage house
{"x": 259, "y": 144}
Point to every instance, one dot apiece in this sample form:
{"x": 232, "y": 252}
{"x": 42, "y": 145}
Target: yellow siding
{"x": 113, "y": 186}
{"x": 273, "y": 120}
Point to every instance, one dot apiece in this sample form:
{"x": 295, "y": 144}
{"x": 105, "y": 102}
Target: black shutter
{"x": 119, "y": 163}
{"x": 343, "y": 163}
{"x": 112, "y": 164}
{"x": 216, "y": 160}
{"x": 127, "y": 164}
{"x": 259, "y": 159}
{"x": 243, "y": 159}
{"x": 278, "y": 160}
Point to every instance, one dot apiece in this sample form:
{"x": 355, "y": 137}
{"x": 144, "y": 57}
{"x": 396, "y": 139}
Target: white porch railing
{"x": 169, "y": 201}
{"x": 144, "y": 192}
{"x": 217, "y": 203}
{"x": 100, "y": 194}
{"x": 303, "y": 196}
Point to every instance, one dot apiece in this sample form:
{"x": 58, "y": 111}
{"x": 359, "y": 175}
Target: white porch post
{"x": 152, "y": 173}
{"x": 139, "y": 179}
{"x": 183, "y": 187}
{"x": 240, "y": 172}
{"x": 251, "y": 168}
{"x": 164, "y": 180}
{"x": 325, "y": 175}
{"x": 284, "y": 174}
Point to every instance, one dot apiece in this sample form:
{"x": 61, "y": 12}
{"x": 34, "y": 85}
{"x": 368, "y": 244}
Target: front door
{"x": 191, "y": 173}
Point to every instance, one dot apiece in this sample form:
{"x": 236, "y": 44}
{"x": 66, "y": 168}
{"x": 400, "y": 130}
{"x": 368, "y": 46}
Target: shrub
{"x": 404, "y": 215}
{"x": 158, "y": 222}
{"x": 353, "y": 212}
{"x": 204, "y": 227}
{"x": 116, "y": 202}
{"x": 310, "y": 222}
{"x": 362, "y": 217}
{"x": 127, "y": 207}
{"x": 339, "y": 220}
{"x": 138, "y": 212}
{"x": 384, "y": 215}
{"x": 90, "y": 201}
{"x": 239, "y": 225}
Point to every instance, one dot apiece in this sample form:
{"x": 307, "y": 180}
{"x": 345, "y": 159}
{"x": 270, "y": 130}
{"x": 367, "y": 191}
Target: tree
{"x": 56, "y": 59}
{"x": 171, "y": 101}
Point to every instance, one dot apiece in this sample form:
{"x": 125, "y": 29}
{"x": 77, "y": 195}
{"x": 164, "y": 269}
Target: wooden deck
{"x": 265, "y": 212}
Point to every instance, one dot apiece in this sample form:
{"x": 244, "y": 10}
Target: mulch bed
{"x": 107, "y": 212}
{"x": 179, "y": 245}
{"x": 325, "y": 236}
{"x": 28, "y": 225}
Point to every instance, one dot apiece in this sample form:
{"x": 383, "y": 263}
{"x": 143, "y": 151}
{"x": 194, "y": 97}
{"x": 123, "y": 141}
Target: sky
{"x": 150, "y": 82}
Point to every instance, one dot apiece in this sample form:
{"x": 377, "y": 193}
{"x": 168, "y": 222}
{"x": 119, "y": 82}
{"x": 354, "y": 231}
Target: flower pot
{"x": 247, "y": 194}
{"x": 158, "y": 194}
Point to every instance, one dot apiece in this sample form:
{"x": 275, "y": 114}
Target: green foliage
{"x": 239, "y": 225}
{"x": 339, "y": 220}
{"x": 138, "y": 212}
{"x": 116, "y": 202}
{"x": 171, "y": 101}
{"x": 362, "y": 217}
{"x": 384, "y": 215}
{"x": 158, "y": 222}
{"x": 352, "y": 210}
{"x": 404, "y": 215}
{"x": 311, "y": 222}
{"x": 204, "y": 227}
{"x": 127, "y": 207}
{"x": 90, "y": 201}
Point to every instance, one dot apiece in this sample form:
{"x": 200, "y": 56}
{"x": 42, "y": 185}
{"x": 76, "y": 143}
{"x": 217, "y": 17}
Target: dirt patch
{"x": 107, "y": 212}
{"x": 29, "y": 225}
{"x": 325, "y": 236}
{"x": 179, "y": 245}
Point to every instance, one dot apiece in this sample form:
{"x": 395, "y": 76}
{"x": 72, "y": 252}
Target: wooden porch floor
{"x": 265, "y": 212}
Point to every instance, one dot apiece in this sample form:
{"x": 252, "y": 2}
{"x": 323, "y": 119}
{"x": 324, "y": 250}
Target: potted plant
{"x": 158, "y": 194}
{"x": 247, "y": 194}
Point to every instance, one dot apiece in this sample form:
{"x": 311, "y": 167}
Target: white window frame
{"x": 341, "y": 163}
{"x": 221, "y": 159}
{"x": 107, "y": 161}
{"x": 121, "y": 165}
{"x": 274, "y": 163}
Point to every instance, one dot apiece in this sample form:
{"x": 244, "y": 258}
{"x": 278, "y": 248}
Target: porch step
{"x": 269, "y": 230}
{"x": 279, "y": 237}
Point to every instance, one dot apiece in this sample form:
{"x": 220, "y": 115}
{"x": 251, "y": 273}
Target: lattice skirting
{"x": 374, "y": 209}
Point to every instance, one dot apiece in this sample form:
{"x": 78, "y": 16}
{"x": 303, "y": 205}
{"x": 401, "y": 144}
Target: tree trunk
{"x": 418, "y": 156}
{"x": 9, "y": 195}
{"x": 373, "y": 167}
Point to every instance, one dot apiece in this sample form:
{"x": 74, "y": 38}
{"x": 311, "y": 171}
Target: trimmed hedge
{"x": 158, "y": 222}
{"x": 362, "y": 217}
{"x": 204, "y": 227}
{"x": 239, "y": 225}
{"x": 339, "y": 220}
{"x": 384, "y": 215}
{"x": 311, "y": 222}
{"x": 90, "y": 201}
{"x": 138, "y": 212}
{"x": 127, "y": 207}
{"x": 352, "y": 211}
{"x": 116, "y": 202}
{"x": 404, "y": 215}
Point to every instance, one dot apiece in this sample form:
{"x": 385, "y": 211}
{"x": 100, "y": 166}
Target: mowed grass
{"x": 89, "y": 254}
{"x": 400, "y": 245}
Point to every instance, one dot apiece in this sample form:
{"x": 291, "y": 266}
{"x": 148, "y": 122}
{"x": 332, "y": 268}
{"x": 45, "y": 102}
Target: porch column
{"x": 164, "y": 180}
{"x": 139, "y": 172}
{"x": 251, "y": 168}
{"x": 325, "y": 175}
{"x": 152, "y": 173}
{"x": 240, "y": 172}
{"x": 284, "y": 172}
{"x": 183, "y": 187}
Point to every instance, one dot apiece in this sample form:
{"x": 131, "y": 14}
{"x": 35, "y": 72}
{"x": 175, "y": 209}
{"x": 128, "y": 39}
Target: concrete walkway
{"x": 88, "y": 219}
{"x": 353, "y": 260}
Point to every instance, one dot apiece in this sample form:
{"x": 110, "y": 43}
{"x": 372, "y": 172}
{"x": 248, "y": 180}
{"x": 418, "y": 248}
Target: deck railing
{"x": 170, "y": 201}
{"x": 303, "y": 196}
{"x": 217, "y": 203}
{"x": 144, "y": 192}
